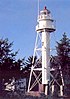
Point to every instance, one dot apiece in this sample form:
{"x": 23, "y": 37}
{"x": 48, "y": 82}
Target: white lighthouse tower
{"x": 44, "y": 27}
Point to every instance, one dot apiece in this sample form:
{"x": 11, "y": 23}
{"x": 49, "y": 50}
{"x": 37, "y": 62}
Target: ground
{"x": 25, "y": 96}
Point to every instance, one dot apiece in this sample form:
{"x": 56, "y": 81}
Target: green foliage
{"x": 61, "y": 62}
{"x": 63, "y": 53}
{"x": 9, "y": 66}
{"x": 29, "y": 62}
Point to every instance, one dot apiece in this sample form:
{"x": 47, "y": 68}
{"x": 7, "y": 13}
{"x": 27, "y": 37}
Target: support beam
{"x": 61, "y": 90}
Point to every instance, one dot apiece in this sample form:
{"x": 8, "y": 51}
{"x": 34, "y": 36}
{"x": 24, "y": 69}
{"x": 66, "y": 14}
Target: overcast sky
{"x": 18, "y": 19}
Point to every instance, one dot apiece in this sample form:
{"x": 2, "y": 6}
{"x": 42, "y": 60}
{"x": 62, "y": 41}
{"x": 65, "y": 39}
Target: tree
{"x": 29, "y": 62}
{"x": 9, "y": 66}
{"x": 61, "y": 62}
{"x": 63, "y": 54}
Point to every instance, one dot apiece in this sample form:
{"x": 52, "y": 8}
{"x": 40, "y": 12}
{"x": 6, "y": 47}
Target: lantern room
{"x": 45, "y": 21}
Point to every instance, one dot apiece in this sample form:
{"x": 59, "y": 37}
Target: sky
{"x": 18, "y": 19}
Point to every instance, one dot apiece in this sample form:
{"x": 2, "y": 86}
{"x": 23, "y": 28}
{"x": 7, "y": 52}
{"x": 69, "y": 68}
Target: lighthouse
{"x": 45, "y": 26}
